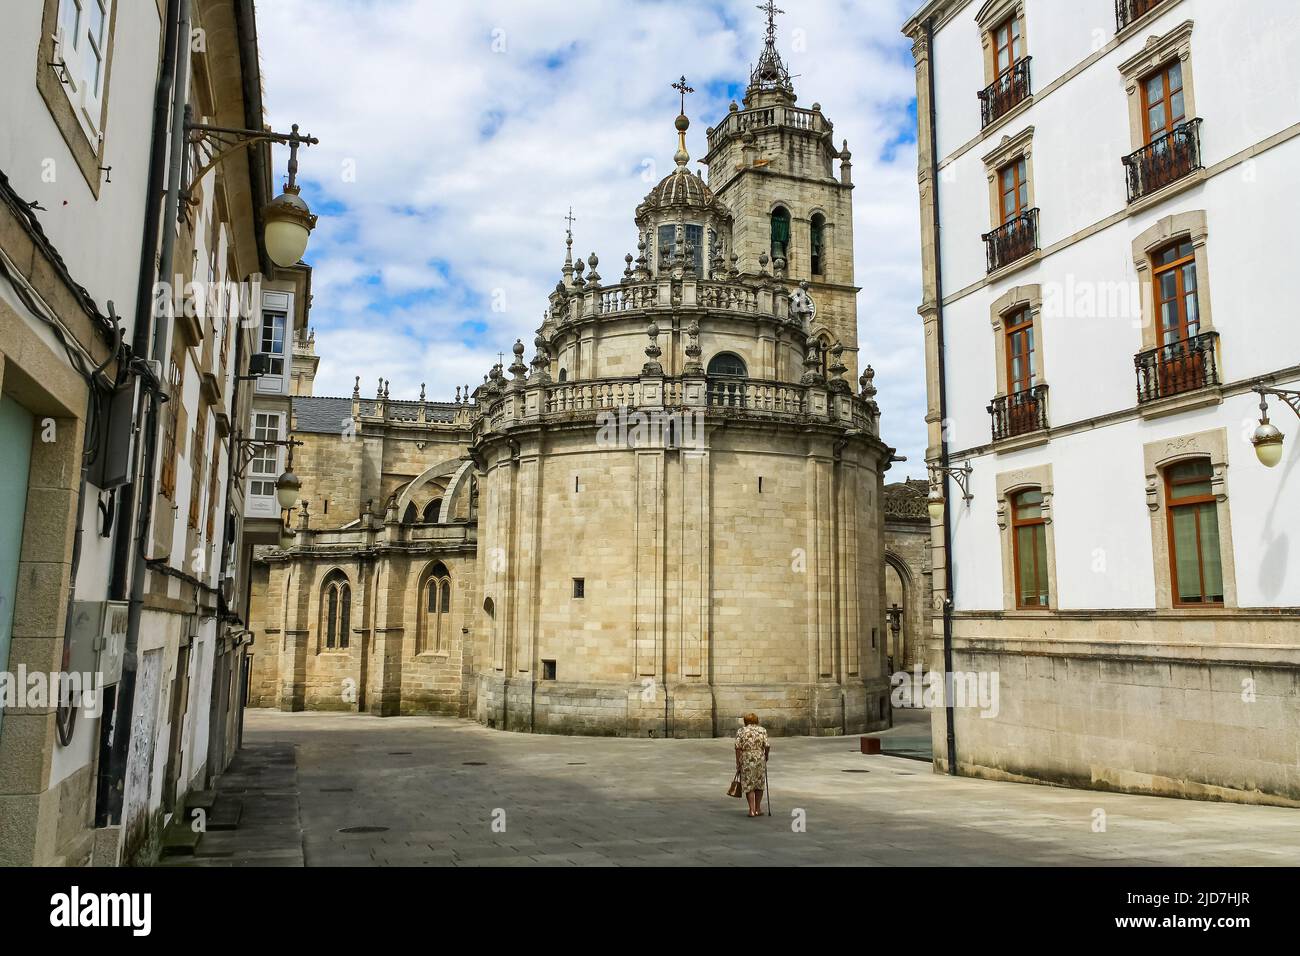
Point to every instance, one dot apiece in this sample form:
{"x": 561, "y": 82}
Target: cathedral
{"x": 670, "y": 515}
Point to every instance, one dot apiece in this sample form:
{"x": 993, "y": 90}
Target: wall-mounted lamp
{"x": 1267, "y": 438}
{"x": 960, "y": 474}
{"x": 288, "y": 220}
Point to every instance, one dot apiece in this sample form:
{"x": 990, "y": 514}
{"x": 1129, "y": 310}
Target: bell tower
{"x": 772, "y": 164}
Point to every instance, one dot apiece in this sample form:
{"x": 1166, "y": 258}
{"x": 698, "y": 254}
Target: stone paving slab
{"x": 452, "y": 793}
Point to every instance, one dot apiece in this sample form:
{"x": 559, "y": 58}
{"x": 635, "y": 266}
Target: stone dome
{"x": 681, "y": 187}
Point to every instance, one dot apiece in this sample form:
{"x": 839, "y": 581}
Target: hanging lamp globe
{"x": 287, "y": 487}
{"x": 1268, "y": 444}
{"x": 289, "y": 223}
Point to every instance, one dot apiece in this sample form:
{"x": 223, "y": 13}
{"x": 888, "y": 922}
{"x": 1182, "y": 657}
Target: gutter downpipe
{"x": 171, "y": 142}
{"x": 943, "y": 414}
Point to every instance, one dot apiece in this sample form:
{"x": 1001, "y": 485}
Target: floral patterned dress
{"x": 751, "y": 741}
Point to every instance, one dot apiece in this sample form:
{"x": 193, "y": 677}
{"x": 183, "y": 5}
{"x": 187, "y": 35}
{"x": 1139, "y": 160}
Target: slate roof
{"x": 325, "y": 415}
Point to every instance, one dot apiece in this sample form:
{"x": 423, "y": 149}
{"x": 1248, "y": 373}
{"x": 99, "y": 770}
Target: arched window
{"x": 818, "y": 244}
{"x": 564, "y": 375}
{"x": 431, "y": 511}
{"x": 410, "y": 515}
{"x": 435, "y": 609}
{"x": 781, "y": 234}
{"x": 727, "y": 363}
{"x": 1029, "y": 540}
{"x": 1195, "y": 554}
{"x": 336, "y": 610}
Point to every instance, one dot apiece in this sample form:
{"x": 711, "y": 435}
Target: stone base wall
{"x": 1165, "y": 724}
{"x": 687, "y": 710}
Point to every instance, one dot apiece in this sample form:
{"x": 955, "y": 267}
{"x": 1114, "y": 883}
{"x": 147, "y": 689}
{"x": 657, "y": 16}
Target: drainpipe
{"x": 171, "y": 85}
{"x": 943, "y": 410}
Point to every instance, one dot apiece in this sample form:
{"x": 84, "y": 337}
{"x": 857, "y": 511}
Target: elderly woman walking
{"x": 751, "y": 762}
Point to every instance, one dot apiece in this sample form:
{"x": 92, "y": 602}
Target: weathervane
{"x": 681, "y": 87}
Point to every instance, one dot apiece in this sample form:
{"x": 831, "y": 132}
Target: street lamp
{"x": 288, "y": 220}
{"x": 1267, "y": 439}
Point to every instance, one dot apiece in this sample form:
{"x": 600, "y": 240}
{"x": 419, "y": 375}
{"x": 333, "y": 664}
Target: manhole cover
{"x": 855, "y": 771}
{"x": 363, "y": 830}
{"x": 474, "y": 763}
{"x": 399, "y": 753}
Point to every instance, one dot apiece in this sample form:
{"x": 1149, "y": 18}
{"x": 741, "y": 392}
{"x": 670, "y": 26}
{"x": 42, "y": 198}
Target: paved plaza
{"x": 450, "y": 792}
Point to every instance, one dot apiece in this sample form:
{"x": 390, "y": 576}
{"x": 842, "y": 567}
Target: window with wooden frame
{"x": 1013, "y": 190}
{"x": 196, "y": 466}
{"x": 1029, "y": 543}
{"x": 1162, "y": 101}
{"x": 1173, "y": 271}
{"x": 171, "y": 424}
{"x": 1007, "y": 49}
{"x": 213, "y": 489}
{"x": 1193, "y": 527}
{"x": 1019, "y": 330}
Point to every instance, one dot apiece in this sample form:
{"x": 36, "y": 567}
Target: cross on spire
{"x": 681, "y": 87}
{"x": 570, "y": 220}
{"x": 771, "y": 9}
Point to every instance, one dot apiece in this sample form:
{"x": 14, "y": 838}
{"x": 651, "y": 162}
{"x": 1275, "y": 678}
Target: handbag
{"x": 735, "y": 790}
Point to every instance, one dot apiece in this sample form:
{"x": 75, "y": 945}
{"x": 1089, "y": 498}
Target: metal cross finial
{"x": 771, "y": 9}
{"x": 681, "y": 87}
{"x": 570, "y": 220}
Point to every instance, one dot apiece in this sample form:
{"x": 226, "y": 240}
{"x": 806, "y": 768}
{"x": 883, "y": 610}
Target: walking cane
{"x": 768, "y": 789}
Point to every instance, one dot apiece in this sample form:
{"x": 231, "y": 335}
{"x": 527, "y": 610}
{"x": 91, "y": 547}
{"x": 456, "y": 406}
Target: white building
{"x": 1107, "y": 194}
{"x": 84, "y": 133}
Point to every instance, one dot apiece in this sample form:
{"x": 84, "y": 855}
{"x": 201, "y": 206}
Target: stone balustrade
{"x": 791, "y": 116}
{"x": 725, "y": 397}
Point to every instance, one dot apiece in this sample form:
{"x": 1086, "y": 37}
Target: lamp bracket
{"x": 1288, "y": 396}
{"x": 959, "y": 473}
{"x": 215, "y": 143}
{"x": 246, "y": 448}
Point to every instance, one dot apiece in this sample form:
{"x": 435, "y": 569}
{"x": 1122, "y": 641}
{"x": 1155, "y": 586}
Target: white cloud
{"x": 466, "y": 157}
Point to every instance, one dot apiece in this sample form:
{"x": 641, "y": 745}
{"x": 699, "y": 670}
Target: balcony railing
{"x": 1019, "y": 413}
{"x": 1126, "y": 11}
{"x": 1178, "y": 367}
{"x": 1014, "y": 239}
{"x": 1164, "y": 161}
{"x": 1010, "y": 88}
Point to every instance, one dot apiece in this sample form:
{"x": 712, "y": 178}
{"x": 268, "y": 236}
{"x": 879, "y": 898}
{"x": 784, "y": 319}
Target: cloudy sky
{"x": 455, "y": 134}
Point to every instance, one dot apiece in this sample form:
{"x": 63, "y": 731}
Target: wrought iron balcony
{"x": 1178, "y": 367}
{"x": 1011, "y": 86}
{"x": 1019, "y": 413}
{"x": 1126, "y": 11}
{"x": 1164, "y": 161}
{"x": 1014, "y": 239}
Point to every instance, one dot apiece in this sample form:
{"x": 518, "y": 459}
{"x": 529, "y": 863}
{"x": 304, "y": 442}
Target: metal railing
{"x": 1177, "y": 367}
{"x": 1010, "y": 88}
{"x": 1126, "y": 11}
{"x": 1019, "y": 413}
{"x": 1014, "y": 239}
{"x": 1164, "y": 161}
